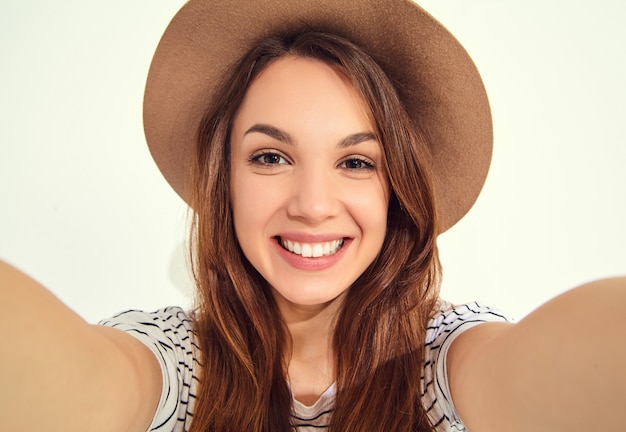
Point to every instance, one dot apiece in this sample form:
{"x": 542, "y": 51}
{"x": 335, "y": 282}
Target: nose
{"x": 314, "y": 196}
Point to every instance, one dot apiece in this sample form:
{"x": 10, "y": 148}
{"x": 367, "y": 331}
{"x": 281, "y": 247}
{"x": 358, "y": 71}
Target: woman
{"x": 319, "y": 184}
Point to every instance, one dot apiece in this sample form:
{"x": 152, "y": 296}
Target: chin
{"x": 308, "y": 299}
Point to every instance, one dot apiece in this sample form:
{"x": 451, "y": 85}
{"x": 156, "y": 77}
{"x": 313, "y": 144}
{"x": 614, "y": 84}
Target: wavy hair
{"x": 380, "y": 331}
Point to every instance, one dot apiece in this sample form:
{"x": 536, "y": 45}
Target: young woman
{"x": 322, "y": 148}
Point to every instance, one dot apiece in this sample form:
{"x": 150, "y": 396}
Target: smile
{"x": 312, "y": 250}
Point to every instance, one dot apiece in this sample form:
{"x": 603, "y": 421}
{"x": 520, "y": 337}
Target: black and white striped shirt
{"x": 168, "y": 333}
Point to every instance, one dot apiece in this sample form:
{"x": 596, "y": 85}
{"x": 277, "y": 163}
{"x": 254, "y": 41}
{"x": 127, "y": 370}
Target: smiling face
{"x": 309, "y": 194}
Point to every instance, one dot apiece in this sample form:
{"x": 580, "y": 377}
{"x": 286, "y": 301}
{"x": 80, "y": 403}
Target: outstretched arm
{"x": 562, "y": 368}
{"x": 58, "y": 373}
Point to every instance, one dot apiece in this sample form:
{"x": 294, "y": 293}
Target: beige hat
{"x": 438, "y": 81}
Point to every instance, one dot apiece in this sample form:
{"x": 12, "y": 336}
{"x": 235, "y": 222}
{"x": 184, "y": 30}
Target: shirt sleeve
{"x": 169, "y": 335}
{"x": 443, "y": 329}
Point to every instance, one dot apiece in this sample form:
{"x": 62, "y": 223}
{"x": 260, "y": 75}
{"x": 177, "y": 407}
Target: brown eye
{"x": 268, "y": 158}
{"x": 357, "y": 164}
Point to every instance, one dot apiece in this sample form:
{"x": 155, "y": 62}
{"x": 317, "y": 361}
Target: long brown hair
{"x": 380, "y": 331}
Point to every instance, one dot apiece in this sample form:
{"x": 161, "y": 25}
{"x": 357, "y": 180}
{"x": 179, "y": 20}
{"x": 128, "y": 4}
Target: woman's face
{"x": 308, "y": 190}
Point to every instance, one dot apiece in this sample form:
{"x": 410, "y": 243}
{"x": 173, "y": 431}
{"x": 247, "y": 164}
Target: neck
{"x": 311, "y": 355}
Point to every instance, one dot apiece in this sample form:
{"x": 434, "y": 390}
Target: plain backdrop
{"x": 84, "y": 210}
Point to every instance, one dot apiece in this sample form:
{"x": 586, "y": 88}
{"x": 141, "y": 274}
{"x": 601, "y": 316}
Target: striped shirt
{"x": 168, "y": 333}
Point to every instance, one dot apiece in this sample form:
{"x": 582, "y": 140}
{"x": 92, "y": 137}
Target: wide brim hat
{"x": 436, "y": 79}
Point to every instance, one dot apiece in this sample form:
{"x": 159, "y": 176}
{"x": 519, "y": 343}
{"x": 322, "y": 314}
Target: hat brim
{"x": 437, "y": 80}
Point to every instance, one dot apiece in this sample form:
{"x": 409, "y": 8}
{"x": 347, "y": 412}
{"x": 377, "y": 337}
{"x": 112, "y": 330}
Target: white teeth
{"x": 312, "y": 250}
{"x": 318, "y": 250}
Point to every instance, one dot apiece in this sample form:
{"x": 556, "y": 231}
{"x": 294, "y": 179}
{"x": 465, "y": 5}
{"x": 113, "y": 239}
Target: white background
{"x": 84, "y": 210}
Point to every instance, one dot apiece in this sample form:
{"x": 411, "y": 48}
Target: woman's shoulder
{"x": 449, "y": 320}
{"x": 170, "y": 327}
{"x": 169, "y": 333}
{"x": 446, "y": 324}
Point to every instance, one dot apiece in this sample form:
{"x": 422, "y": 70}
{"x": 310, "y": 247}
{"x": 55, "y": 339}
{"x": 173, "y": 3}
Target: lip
{"x": 309, "y": 263}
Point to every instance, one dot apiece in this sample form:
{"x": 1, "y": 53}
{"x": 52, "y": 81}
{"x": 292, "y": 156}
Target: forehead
{"x": 301, "y": 90}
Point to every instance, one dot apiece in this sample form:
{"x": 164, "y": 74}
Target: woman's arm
{"x": 58, "y": 373}
{"x": 562, "y": 368}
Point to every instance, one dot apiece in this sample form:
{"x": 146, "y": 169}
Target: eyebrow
{"x": 282, "y": 136}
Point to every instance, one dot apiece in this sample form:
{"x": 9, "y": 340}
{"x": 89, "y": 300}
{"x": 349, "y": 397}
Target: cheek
{"x": 376, "y": 197}
{"x": 245, "y": 206}
{"x": 369, "y": 207}
{"x": 253, "y": 206}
